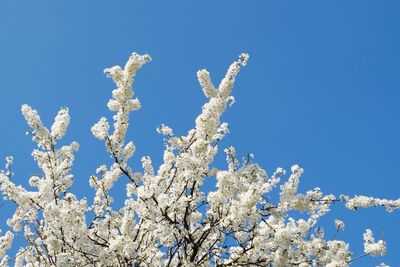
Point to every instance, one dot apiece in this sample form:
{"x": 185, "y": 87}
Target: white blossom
{"x": 100, "y": 129}
{"x": 165, "y": 130}
{"x": 339, "y": 225}
{"x": 166, "y": 219}
{"x": 6, "y": 243}
{"x": 372, "y": 247}
{"x": 365, "y": 202}
{"x": 61, "y": 122}
{"x": 206, "y": 83}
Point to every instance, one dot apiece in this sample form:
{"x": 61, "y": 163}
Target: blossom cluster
{"x": 167, "y": 219}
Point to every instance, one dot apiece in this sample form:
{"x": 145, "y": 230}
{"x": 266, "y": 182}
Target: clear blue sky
{"x": 322, "y": 87}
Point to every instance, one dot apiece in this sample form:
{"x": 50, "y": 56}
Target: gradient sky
{"x": 321, "y": 88}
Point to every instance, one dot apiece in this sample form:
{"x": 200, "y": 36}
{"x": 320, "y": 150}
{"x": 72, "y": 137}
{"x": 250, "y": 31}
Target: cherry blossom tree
{"x": 166, "y": 220}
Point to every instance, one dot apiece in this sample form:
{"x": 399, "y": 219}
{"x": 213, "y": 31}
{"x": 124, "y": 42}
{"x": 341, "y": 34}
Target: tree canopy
{"x": 167, "y": 218}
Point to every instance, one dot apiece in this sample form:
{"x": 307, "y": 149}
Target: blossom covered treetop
{"x": 166, "y": 219}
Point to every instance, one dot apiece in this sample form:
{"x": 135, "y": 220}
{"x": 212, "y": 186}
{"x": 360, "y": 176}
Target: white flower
{"x": 60, "y": 124}
{"x": 100, "y": 129}
{"x": 165, "y": 130}
{"x": 129, "y": 149}
{"x": 206, "y": 84}
{"x": 339, "y": 224}
{"x": 372, "y": 247}
{"x": 5, "y": 243}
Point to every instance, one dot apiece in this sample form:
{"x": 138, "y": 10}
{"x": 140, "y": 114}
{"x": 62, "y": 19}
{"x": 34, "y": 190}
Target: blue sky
{"x": 321, "y": 88}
